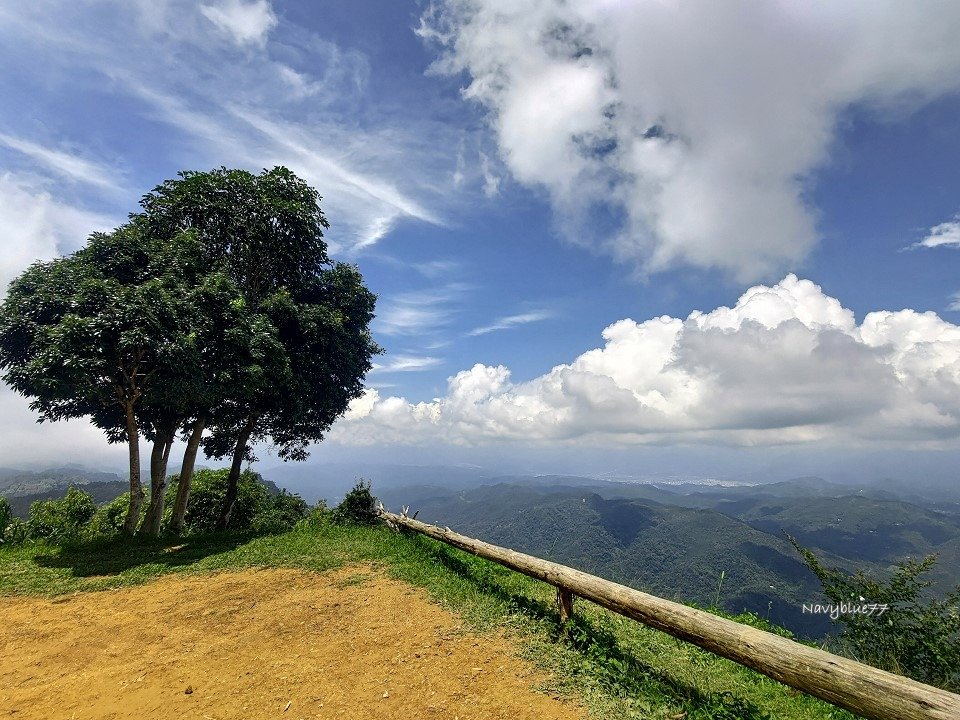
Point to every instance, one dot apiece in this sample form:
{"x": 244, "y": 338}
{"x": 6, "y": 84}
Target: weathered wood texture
{"x": 860, "y": 688}
{"x": 565, "y": 604}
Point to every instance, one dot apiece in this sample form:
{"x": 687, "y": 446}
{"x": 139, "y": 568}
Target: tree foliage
{"x": 216, "y": 307}
{"x": 310, "y": 345}
{"x": 918, "y": 635}
{"x": 61, "y": 520}
{"x": 6, "y": 515}
{"x": 359, "y": 505}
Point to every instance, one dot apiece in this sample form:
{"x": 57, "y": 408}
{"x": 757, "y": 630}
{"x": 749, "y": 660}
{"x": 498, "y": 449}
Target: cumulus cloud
{"x": 786, "y": 364}
{"x": 699, "y": 121}
{"x": 247, "y": 23}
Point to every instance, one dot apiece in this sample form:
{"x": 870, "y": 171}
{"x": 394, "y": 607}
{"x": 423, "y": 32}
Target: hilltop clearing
{"x": 616, "y": 668}
{"x": 348, "y": 643}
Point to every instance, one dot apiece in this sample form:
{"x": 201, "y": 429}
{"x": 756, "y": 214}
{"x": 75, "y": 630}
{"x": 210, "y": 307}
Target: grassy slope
{"x": 619, "y": 668}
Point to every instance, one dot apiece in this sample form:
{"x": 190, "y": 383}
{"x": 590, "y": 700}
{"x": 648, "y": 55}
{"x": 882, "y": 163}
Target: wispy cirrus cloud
{"x": 407, "y": 363}
{"x": 511, "y": 321}
{"x": 419, "y": 313}
{"x": 67, "y": 165}
{"x": 260, "y": 92}
{"x": 247, "y": 23}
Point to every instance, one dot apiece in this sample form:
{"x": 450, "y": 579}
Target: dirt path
{"x": 258, "y": 644}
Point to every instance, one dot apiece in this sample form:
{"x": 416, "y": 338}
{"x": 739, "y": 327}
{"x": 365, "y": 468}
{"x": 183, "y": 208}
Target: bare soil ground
{"x": 284, "y": 644}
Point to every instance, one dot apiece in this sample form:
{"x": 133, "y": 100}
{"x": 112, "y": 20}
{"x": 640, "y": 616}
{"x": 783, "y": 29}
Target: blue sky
{"x": 541, "y": 193}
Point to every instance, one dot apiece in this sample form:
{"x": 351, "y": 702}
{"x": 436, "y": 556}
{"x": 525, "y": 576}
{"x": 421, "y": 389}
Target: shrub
{"x": 918, "y": 635}
{"x": 283, "y": 512}
{"x": 6, "y": 515}
{"x": 358, "y": 506}
{"x": 255, "y": 509}
{"x": 318, "y": 516}
{"x": 61, "y": 520}
{"x": 107, "y": 521}
{"x": 16, "y": 532}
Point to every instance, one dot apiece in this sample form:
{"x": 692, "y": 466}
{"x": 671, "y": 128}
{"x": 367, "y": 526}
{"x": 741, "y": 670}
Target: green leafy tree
{"x": 310, "y": 343}
{"x": 93, "y": 333}
{"x": 917, "y": 635}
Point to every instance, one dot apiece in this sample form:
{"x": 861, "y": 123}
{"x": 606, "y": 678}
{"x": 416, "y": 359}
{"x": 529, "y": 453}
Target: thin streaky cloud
{"x": 512, "y": 321}
{"x": 419, "y": 312}
{"x": 954, "y": 302}
{"x": 407, "y": 363}
{"x": 65, "y": 164}
{"x": 374, "y": 187}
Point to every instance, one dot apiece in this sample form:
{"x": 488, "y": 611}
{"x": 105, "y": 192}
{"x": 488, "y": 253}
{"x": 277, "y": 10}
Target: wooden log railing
{"x": 860, "y": 688}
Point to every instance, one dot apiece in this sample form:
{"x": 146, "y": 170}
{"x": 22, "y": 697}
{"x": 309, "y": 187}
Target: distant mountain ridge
{"x": 676, "y": 544}
{"x": 672, "y": 539}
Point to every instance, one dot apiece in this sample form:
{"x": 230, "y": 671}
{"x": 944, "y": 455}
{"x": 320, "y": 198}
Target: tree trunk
{"x": 186, "y": 476}
{"x": 136, "y": 489}
{"x": 239, "y": 452}
{"x": 158, "y": 480}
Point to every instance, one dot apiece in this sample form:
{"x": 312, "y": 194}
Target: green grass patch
{"x": 616, "y": 667}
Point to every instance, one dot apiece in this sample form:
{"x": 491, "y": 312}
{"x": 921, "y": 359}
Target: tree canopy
{"x": 216, "y": 308}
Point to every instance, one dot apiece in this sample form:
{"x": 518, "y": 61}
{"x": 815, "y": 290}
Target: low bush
{"x": 255, "y": 509}
{"x": 107, "y": 521}
{"x": 358, "y": 506}
{"x": 61, "y": 520}
{"x": 6, "y": 515}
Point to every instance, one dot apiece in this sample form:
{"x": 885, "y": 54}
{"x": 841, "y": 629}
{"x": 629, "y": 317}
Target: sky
{"x": 623, "y": 238}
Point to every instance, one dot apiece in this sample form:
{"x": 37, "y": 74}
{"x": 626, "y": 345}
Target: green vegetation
{"x": 916, "y": 635}
{"x": 619, "y": 668}
{"x": 216, "y": 308}
{"x": 358, "y": 506}
{"x": 255, "y": 507}
{"x": 61, "y": 520}
{"x": 75, "y": 518}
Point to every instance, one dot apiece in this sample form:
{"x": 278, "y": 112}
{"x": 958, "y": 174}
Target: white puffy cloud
{"x": 786, "y": 364}
{"x": 247, "y": 23}
{"x": 946, "y": 234}
{"x": 701, "y": 120}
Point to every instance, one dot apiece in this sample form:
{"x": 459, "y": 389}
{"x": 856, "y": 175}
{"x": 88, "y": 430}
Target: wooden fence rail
{"x": 860, "y": 688}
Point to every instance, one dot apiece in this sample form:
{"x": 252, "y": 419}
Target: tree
{"x": 215, "y": 307}
{"x": 91, "y": 334}
{"x": 915, "y": 634}
{"x": 310, "y": 343}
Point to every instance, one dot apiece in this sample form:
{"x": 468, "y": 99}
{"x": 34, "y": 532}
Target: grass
{"x": 616, "y": 667}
